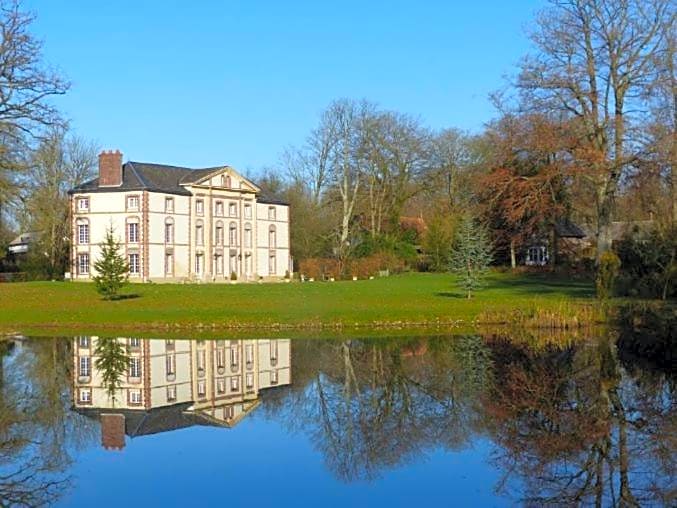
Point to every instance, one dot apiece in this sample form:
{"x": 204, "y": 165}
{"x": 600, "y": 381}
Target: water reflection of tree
{"x": 37, "y": 430}
{"x": 371, "y": 405}
{"x": 572, "y": 429}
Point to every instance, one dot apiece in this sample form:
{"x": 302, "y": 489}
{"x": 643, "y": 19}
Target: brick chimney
{"x": 110, "y": 168}
{"x": 113, "y": 431}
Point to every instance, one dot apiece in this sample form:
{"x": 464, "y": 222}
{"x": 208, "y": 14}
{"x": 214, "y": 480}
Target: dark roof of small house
{"x": 567, "y": 229}
{"x": 23, "y": 239}
{"x": 150, "y": 177}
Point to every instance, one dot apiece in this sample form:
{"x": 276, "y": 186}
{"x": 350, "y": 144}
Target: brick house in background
{"x": 177, "y": 224}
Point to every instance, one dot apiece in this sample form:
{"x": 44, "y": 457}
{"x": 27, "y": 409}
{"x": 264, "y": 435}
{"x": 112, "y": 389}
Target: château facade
{"x": 170, "y": 384}
{"x": 179, "y": 224}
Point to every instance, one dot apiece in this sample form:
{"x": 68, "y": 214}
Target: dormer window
{"x": 132, "y": 202}
{"x": 83, "y": 204}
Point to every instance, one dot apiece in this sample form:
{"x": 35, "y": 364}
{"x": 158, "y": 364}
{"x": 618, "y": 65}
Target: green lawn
{"x": 405, "y": 300}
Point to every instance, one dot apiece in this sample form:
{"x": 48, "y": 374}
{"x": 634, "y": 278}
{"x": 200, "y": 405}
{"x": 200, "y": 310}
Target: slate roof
{"x": 137, "y": 176}
{"x": 155, "y": 421}
{"x": 567, "y": 229}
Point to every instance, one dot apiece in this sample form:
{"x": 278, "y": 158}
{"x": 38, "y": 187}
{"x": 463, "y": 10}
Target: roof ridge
{"x": 142, "y": 179}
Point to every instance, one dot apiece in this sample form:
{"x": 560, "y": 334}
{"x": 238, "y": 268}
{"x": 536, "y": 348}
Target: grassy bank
{"x": 409, "y": 300}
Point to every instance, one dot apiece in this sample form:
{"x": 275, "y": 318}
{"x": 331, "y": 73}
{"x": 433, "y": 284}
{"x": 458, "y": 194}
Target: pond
{"x": 472, "y": 420}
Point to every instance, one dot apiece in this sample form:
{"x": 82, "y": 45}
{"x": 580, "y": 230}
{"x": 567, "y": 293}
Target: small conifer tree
{"x": 112, "y": 362}
{"x": 470, "y": 255}
{"x": 111, "y": 267}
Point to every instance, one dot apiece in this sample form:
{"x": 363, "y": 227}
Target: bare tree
{"x": 60, "y": 162}
{"x": 593, "y": 59}
{"x": 26, "y": 86}
{"x": 395, "y": 155}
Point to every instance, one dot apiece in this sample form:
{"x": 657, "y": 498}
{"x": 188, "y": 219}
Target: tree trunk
{"x": 513, "y": 257}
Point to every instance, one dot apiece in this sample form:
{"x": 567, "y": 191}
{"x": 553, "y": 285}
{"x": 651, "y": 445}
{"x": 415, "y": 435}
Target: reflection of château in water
{"x": 173, "y": 384}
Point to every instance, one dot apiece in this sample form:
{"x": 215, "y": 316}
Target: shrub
{"x": 607, "y": 272}
{"x": 233, "y": 276}
{"x": 648, "y": 264}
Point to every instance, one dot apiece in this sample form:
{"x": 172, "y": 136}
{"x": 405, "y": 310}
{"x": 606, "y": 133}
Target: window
{"x": 132, "y": 202}
{"x": 271, "y": 213}
{"x": 219, "y": 209}
{"x": 250, "y": 380}
{"x": 272, "y": 262}
{"x": 83, "y": 204}
{"x": 135, "y": 343}
{"x": 171, "y": 393}
{"x": 198, "y": 263}
{"x": 83, "y": 234}
{"x": 169, "y": 205}
{"x": 199, "y": 207}
{"x": 234, "y": 357}
{"x": 169, "y": 345}
{"x": 134, "y": 397}
{"x": 170, "y": 365}
{"x": 169, "y": 232}
{"x": 232, "y": 209}
{"x": 221, "y": 385}
{"x": 219, "y": 233}
{"x": 83, "y": 264}
{"x": 273, "y": 377}
{"x": 273, "y": 351}
{"x": 201, "y": 388}
{"x": 133, "y": 232}
{"x": 218, "y": 259}
{"x": 233, "y": 263}
{"x": 247, "y": 235}
{"x": 272, "y": 237}
{"x": 220, "y": 358}
{"x": 247, "y": 211}
{"x": 169, "y": 263}
{"x": 135, "y": 367}
{"x": 134, "y": 264}
{"x": 85, "y": 367}
{"x": 83, "y": 342}
{"x": 234, "y": 383}
{"x": 249, "y": 354}
{"x": 228, "y": 412}
{"x": 232, "y": 234}
{"x": 227, "y": 182}
{"x": 85, "y": 395}
{"x": 199, "y": 235}
{"x": 201, "y": 362}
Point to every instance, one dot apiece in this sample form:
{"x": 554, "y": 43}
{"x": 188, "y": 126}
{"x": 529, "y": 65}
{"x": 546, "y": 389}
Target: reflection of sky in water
{"x": 260, "y": 461}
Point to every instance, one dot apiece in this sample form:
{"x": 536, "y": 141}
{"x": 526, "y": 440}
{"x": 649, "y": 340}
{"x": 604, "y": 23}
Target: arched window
{"x": 248, "y": 235}
{"x": 219, "y": 233}
{"x": 272, "y": 237}
{"x": 169, "y": 230}
{"x": 232, "y": 234}
{"x": 199, "y": 233}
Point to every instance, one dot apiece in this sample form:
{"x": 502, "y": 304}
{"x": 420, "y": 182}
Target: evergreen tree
{"x": 111, "y": 267}
{"x": 470, "y": 254}
{"x": 112, "y": 362}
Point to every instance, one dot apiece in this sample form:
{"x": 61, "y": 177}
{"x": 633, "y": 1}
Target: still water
{"x": 466, "y": 420}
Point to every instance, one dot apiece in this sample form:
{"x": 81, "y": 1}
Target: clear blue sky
{"x": 212, "y": 82}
